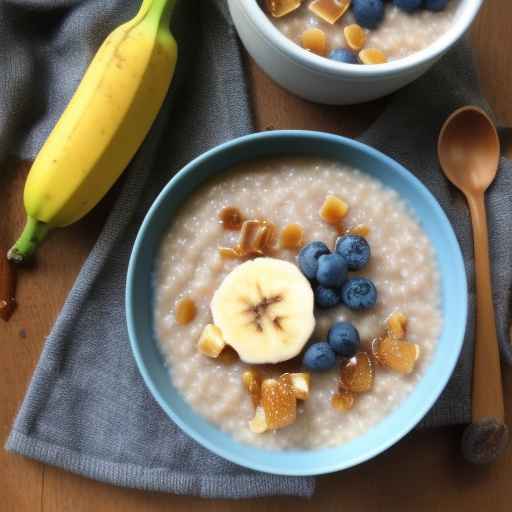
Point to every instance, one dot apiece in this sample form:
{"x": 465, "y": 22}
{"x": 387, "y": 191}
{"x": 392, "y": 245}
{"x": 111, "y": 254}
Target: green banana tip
{"x": 14, "y": 255}
{"x": 32, "y": 235}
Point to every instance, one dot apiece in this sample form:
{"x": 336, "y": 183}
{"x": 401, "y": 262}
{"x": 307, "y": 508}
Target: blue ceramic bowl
{"x": 139, "y": 300}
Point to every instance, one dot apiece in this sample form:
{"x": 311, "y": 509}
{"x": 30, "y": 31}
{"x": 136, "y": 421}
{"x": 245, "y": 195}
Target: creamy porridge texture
{"x": 399, "y": 35}
{"x": 285, "y": 191}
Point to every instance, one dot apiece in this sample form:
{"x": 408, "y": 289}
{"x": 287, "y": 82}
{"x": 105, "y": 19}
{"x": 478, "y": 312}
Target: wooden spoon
{"x": 469, "y": 152}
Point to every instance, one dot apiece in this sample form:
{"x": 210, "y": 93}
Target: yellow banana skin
{"x": 103, "y": 125}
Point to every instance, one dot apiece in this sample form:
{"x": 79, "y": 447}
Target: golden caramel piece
{"x": 374, "y": 351}
{"x": 231, "y": 218}
{"x": 229, "y": 253}
{"x": 396, "y": 325}
{"x": 355, "y": 36}
{"x": 333, "y": 210}
{"x": 372, "y": 56}
{"x": 261, "y": 238}
{"x": 315, "y": 41}
{"x": 279, "y": 402}
{"x": 398, "y": 355}
{"x": 361, "y": 230}
{"x": 258, "y": 424}
{"x": 280, "y": 8}
{"x": 329, "y": 10}
{"x": 228, "y": 356}
{"x": 292, "y": 237}
{"x": 300, "y": 383}
{"x": 252, "y": 382}
{"x": 211, "y": 341}
{"x": 248, "y": 233}
{"x": 256, "y": 239}
{"x": 356, "y": 374}
{"x": 185, "y": 311}
{"x": 343, "y": 400}
{"x": 265, "y": 236}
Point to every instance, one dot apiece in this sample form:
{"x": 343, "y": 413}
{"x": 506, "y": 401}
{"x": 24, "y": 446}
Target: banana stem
{"x": 33, "y": 234}
{"x": 168, "y": 10}
{"x": 159, "y": 9}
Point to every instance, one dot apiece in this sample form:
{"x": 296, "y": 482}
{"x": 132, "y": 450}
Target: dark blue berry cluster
{"x": 328, "y": 273}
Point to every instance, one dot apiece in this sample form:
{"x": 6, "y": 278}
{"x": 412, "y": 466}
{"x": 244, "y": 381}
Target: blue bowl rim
{"x": 450, "y": 363}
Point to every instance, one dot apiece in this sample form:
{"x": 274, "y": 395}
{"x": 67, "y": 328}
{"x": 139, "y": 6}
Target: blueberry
{"x": 354, "y": 249}
{"x": 368, "y": 13}
{"x": 344, "y": 55}
{"x": 319, "y": 357}
{"x": 435, "y": 5}
{"x": 359, "y": 293}
{"x": 326, "y": 298}
{"x": 343, "y": 339}
{"x": 408, "y": 5}
{"x": 308, "y": 258}
{"x": 332, "y": 270}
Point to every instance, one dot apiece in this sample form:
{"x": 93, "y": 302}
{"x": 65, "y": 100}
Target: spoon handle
{"x": 487, "y": 386}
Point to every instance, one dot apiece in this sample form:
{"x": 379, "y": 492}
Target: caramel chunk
{"x": 329, "y": 10}
{"x": 315, "y": 41}
{"x": 398, "y": 355}
{"x": 231, "y": 218}
{"x": 252, "y": 382}
{"x": 247, "y": 235}
{"x": 397, "y": 325}
{"x": 333, "y": 210}
{"x": 258, "y": 424}
{"x": 355, "y": 36}
{"x": 356, "y": 374}
{"x": 374, "y": 351}
{"x": 256, "y": 238}
{"x": 265, "y": 236}
{"x": 185, "y": 311}
{"x": 300, "y": 383}
{"x": 372, "y": 56}
{"x": 361, "y": 230}
{"x": 292, "y": 237}
{"x": 280, "y": 8}
{"x": 211, "y": 342}
{"x": 279, "y": 402}
{"x": 229, "y": 253}
{"x": 275, "y": 400}
{"x": 343, "y": 400}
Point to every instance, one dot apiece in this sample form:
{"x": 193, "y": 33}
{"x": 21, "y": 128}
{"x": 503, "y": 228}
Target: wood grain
{"x": 424, "y": 472}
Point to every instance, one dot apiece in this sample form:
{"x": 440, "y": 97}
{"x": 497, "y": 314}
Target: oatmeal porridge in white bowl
{"x": 295, "y": 301}
{"x": 349, "y": 51}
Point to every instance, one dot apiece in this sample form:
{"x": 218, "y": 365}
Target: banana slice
{"x": 264, "y": 309}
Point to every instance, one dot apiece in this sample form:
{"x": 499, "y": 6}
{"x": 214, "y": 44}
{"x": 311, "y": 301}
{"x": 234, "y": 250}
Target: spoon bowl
{"x": 469, "y": 149}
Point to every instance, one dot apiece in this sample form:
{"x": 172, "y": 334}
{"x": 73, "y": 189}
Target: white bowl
{"x": 326, "y": 81}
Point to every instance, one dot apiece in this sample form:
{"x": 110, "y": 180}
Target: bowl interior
{"x": 139, "y": 306}
{"x": 466, "y": 12}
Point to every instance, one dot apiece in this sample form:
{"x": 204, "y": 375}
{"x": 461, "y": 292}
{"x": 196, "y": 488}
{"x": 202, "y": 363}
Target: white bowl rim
{"x": 259, "y": 19}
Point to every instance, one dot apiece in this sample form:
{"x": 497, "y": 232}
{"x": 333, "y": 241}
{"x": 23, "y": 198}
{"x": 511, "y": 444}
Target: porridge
{"x": 362, "y": 31}
{"x": 325, "y": 376}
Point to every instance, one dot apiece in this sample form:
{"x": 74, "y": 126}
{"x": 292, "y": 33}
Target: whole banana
{"x": 103, "y": 125}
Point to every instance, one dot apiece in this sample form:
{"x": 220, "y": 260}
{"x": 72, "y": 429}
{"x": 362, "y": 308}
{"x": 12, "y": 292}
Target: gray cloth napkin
{"x": 87, "y": 409}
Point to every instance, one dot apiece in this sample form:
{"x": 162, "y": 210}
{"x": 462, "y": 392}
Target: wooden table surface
{"x": 423, "y": 472}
